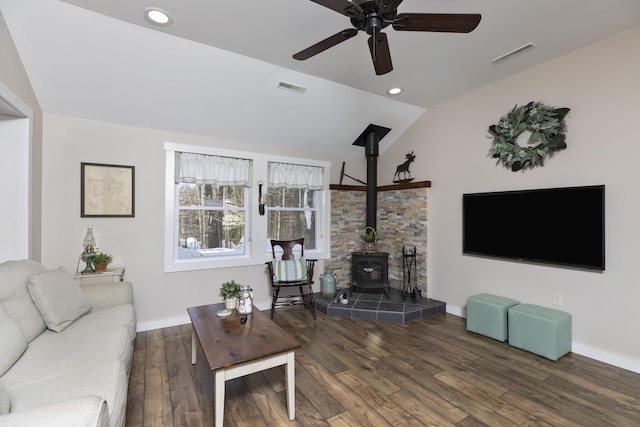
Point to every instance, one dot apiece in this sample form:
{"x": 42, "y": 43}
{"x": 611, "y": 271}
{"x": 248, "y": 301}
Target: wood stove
{"x": 370, "y": 271}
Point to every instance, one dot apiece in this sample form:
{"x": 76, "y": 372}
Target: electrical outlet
{"x": 557, "y": 298}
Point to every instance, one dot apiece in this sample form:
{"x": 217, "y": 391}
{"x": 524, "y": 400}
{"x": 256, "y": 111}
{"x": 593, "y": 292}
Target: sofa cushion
{"x": 109, "y": 380}
{"x": 12, "y": 342}
{"x": 58, "y": 297}
{"x": 79, "y": 346}
{"x": 118, "y": 317}
{"x": 15, "y": 299}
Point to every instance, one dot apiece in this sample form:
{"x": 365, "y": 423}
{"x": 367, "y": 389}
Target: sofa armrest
{"x": 81, "y": 412}
{"x": 104, "y": 295}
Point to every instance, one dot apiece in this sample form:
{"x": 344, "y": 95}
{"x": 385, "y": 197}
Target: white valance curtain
{"x": 206, "y": 169}
{"x": 295, "y": 176}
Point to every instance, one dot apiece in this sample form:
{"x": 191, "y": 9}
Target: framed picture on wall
{"x": 107, "y": 190}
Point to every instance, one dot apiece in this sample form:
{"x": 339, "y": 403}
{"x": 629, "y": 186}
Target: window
{"x": 211, "y": 206}
{"x": 292, "y": 213}
{"x": 293, "y": 197}
{"x": 211, "y": 219}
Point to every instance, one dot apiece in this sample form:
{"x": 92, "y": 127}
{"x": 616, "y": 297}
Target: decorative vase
{"x": 230, "y": 303}
{"x": 328, "y": 288}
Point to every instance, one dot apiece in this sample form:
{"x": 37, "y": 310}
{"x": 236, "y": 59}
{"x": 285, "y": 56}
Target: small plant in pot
{"x": 229, "y": 291}
{"x": 101, "y": 260}
{"x": 370, "y": 238}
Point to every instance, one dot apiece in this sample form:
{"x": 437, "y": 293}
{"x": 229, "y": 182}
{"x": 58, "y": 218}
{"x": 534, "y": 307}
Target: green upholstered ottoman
{"x": 487, "y": 315}
{"x": 540, "y": 330}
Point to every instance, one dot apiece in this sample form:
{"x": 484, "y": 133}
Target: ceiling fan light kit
{"x": 371, "y": 16}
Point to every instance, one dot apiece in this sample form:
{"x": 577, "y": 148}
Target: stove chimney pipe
{"x": 369, "y": 139}
{"x": 371, "y": 152}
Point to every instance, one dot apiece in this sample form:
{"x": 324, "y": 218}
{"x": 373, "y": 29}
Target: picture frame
{"x": 107, "y": 191}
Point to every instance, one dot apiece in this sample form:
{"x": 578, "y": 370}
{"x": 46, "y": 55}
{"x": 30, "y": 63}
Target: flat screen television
{"x": 562, "y": 226}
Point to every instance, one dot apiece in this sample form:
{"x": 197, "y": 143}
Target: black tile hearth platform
{"x": 376, "y": 306}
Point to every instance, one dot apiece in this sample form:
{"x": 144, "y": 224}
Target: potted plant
{"x": 369, "y": 237}
{"x": 229, "y": 291}
{"x": 101, "y": 260}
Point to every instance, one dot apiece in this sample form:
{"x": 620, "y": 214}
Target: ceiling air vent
{"x": 292, "y": 87}
{"x": 513, "y": 53}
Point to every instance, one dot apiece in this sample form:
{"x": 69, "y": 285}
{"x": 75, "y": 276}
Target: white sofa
{"x": 65, "y": 349}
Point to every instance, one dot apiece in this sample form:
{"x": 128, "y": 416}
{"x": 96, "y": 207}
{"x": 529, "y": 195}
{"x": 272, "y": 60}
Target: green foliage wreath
{"x": 547, "y": 128}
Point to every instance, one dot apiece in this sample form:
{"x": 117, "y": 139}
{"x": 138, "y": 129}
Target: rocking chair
{"x": 291, "y": 272}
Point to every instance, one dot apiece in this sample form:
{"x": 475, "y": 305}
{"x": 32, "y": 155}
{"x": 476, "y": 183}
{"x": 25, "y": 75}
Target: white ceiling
{"x": 214, "y": 71}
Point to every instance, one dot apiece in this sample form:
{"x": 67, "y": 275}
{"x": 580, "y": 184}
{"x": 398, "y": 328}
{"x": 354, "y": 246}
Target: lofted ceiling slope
{"x": 215, "y": 70}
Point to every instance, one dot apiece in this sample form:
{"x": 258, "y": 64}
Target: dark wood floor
{"x": 429, "y": 372}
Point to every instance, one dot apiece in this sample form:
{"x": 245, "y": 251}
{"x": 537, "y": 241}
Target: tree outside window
{"x": 211, "y": 220}
{"x": 292, "y": 213}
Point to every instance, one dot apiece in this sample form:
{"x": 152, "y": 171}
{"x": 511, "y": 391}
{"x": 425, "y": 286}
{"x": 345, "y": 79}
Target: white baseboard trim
{"x": 163, "y": 323}
{"x": 582, "y": 349}
{"x": 456, "y": 311}
{"x": 606, "y": 357}
{"x": 181, "y": 320}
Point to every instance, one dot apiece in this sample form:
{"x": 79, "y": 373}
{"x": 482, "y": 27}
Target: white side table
{"x": 115, "y": 274}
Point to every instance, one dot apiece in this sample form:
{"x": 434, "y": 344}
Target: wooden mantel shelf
{"x": 408, "y": 185}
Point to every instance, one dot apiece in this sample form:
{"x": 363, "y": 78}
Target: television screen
{"x": 563, "y": 226}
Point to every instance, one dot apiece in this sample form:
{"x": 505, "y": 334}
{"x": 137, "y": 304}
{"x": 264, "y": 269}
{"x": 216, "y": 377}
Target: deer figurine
{"x": 404, "y": 168}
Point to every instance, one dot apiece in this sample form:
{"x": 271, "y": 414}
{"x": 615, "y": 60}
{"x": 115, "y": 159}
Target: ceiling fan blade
{"x": 437, "y": 22}
{"x": 380, "y": 54}
{"x": 344, "y": 7}
{"x": 325, "y": 44}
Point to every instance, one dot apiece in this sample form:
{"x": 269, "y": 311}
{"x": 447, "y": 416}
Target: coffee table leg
{"x": 290, "y": 373}
{"x": 194, "y": 350}
{"x": 218, "y": 397}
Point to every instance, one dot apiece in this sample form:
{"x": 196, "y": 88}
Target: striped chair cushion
{"x": 289, "y": 270}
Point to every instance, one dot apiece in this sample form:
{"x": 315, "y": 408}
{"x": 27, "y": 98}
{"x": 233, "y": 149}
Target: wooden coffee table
{"x": 233, "y": 349}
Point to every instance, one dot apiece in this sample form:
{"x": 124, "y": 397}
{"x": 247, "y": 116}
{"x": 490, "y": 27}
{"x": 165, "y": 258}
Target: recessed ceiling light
{"x": 157, "y": 16}
{"x": 394, "y": 91}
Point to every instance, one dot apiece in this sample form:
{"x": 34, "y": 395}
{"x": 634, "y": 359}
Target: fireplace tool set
{"x": 408, "y": 266}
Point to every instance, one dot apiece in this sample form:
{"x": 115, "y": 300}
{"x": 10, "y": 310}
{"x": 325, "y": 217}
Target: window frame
{"x": 256, "y": 225}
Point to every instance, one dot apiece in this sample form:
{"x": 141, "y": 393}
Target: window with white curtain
{"x": 293, "y": 200}
{"x": 212, "y": 217}
{"x": 211, "y": 205}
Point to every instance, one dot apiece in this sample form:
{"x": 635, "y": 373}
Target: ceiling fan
{"x": 371, "y": 16}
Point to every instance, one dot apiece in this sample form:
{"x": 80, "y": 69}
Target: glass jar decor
{"x": 245, "y": 300}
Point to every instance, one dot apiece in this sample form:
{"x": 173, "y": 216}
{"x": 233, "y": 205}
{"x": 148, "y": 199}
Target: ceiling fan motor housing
{"x": 373, "y": 25}
{"x": 372, "y": 22}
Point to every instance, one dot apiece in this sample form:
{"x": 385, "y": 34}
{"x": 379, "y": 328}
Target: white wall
{"x": 14, "y": 175}
{"x": 600, "y": 85}
{"x": 161, "y": 299}
{"x": 25, "y": 137}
